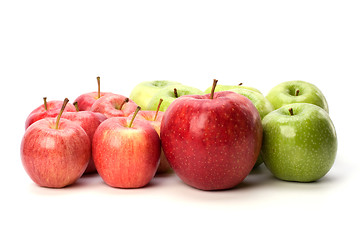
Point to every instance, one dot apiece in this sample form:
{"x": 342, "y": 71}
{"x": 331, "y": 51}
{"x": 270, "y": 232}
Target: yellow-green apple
{"x": 155, "y": 118}
{"x": 48, "y": 109}
{"x": 212, "y": 141}
{"x": 169, "y": 94}
{"x": 126, "y": 152}
{"x": 144, "y": 91}
{"x": 86, "y": 100}
{"x": 296, "y": 92}
{"x": 114, "y": 105}
{"x": 300, "y": 142}
{"x": 89, "y": 121}
{"x": 220, "y": 88}
{"x": 55, "y": 152}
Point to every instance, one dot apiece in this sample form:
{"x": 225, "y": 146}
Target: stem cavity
{"x": 291, "y": 111}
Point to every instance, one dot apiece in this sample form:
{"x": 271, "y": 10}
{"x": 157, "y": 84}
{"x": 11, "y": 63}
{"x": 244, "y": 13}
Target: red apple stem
{"x": 213, "y": 89}
{"x": 291, "y": 111}
{"x": 297, "y": 92}
{"x": 61, "y": 112}
{"x": 45, "y": 104}
{"x": 134, "y": 115}
{"x": 158, "y": 108}
{"x": 98, "y": 82}
{"x": 76, "y": 106}
{"x": 176, "y": 93}
{"x": 123, "y": 103}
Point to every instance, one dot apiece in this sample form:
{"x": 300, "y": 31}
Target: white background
{"x": 57, "y": 48}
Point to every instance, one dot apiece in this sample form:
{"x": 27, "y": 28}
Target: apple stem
{"x": 61, "y": 112}
{"x": 213, "y": 89}
{"x": 240, "y": 84}
{"x": 291, "y": 111}
{"x": 134, "y": 115}
{"x": 76, "y": 106}
{"x": 158, "y": 108}
{"x": 45, "y": 104}
{"x": 98, "y": 82}
{"x": 176, "y": 93}
{"x": 122, "y": 104}
{"x": 297, "y": 92}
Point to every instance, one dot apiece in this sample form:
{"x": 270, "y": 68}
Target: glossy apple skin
{"x": 144, "y": 91}
{"x": 89, "y": 121}
{"x": 52, "y": 157}
{"x": 284, "y": 93}
{"x": 212, "y": 144}
{"x": 126, "y": 157}
{"x": 168, "y": 96}
{"x": 301, "y": 147}
{"x": 109, "y": 106}
{"x": 86, "y": 100}
{"x": 149, "y": 116}
{"x": 53, "y": 109}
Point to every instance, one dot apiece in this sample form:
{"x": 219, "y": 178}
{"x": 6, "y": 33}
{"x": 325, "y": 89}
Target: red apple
{"x": 126, "y": 152}
{"x": 114, "y": 105}
{"x": 212, "y": 141}
{"x": 55, "y": 152}
{"x": 48, "y": 109}
{"x": 86, "y": 100}
{"x": 89, "y": 121}
{"x": 155, "y": 118}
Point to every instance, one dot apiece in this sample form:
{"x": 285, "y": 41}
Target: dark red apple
{"x": 114, "y": 105}
{"x": 126, "y": 152}
{"x": 212, "y": 141}
{"x": 55, "y": 152}
{"x": 48, "y": 109}
{"x": 86, "y": 100}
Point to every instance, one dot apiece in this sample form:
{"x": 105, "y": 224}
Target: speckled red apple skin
{"x": 212, "y": 144}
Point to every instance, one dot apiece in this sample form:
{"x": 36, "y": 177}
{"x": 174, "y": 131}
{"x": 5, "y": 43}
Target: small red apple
{"x": 86, "y": 100}
{"x": 114, "y": 105}
{"x": 55, "y": 152}
{"x": 212, "y": 141}
{"x": 126, "y": 152}
{"x": 48, "y": 109}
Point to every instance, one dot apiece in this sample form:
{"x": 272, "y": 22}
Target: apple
{"x": 55, "y": 152}
{"x": 86, "y": 100}
{"x": 220, "y": 88}
{"x": 114, "y": 105}
{"x": 126, "y": 152}
{"x": 144, "y": 91}
{"x": 48, "y": 109}
{"x": 89, "y": 121}
{"x": 211, "y": 141}
{"x": 300, "y": 142}
{"x": 169, "y": 94}
{"x": 296, "y": 92}
{"x": 154, "y": 118}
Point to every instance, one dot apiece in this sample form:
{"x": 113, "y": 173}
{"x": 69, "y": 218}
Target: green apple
{"x": 230, "y": 87}
{"x": 168, "y": 96}
{"x": 144, "y": 91}
{"x": 296, "y": 92}
{"x": 299, "y": 142}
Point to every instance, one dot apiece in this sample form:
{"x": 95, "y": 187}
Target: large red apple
{"x": 114, "y": 105}
{"x": 212, "y": 141}
{"x": 48, "y": 109}
{"x": 86, "y": 100}
{"x": 55, "y": 152}
{"x": 126, "y": 152}
{"x": 89, "y": 121}
{"x": 155, "y": 118}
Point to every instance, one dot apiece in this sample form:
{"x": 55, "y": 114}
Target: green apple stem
{"x": 61, "y": 112}
{"x": 213, "y": 89}
{"x": 98, "y": 82}
{"x": 45, "y": 104}
{"x": 76, "y": 106}
{"x": 291, "y": 111}
{"x": 297, "y": 92}
{"x": 134, "y": 115}
{"x": 240, "y": 84}
{"x": 123, "y": 103}
{"x": 158, "y": 108}
{"x": 176, "y": 93}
